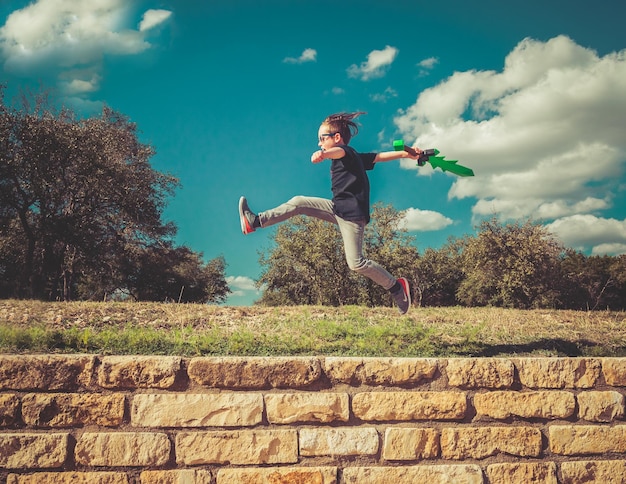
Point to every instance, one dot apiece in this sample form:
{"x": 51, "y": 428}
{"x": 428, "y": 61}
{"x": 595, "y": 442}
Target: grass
{"x": 193, "y": 330}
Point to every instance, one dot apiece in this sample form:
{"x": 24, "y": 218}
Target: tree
{"x": 440, "y": 273}
{"x": 307, "y": 263}
{"x": 515, "y": 265}
{"x": 80, "y": 195}
{"x": 593, "y": 282}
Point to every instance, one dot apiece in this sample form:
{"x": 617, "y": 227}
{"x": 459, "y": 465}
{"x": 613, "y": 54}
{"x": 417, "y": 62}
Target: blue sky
{"x": 531, "y": 95}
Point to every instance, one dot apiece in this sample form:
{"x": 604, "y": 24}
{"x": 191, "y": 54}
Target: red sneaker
{"x": 403, "y": 297}
{"x": 246, "y": 217}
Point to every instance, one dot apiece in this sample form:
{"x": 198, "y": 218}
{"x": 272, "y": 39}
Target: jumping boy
{"x": 349, "y": 208}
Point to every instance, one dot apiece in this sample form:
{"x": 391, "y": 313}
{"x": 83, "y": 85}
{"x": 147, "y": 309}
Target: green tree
{"x": 440, "y": 273}
{"x": 80, "y": 197}
{"x": 515, "y": 265}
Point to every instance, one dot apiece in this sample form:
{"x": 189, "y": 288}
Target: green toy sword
{"x": 432, "y": 156}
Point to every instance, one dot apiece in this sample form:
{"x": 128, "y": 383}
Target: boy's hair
{"x": 342, "y": 123}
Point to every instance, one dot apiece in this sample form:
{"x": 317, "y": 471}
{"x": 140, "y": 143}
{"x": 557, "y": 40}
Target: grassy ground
{"x": 190, "y": 330}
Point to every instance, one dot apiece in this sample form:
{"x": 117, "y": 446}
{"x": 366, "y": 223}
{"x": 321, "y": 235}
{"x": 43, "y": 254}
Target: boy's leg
{"x": 311, "y": 206}
{"x": 353, "y": 233}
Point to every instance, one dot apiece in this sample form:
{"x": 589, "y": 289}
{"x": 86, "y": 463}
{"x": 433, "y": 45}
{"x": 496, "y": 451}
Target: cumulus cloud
{"x": 544, "y": 135}
{"x": 70, "y": 39}
{"x": 153, "y": 18}
{"x": 377, "y": 63}
{"x": 427, "y": 65}
{"x": 308, "y": 55}
{"x": 240, "y": 285}
{"x": 416, "y": 220}
{"x": 382, "y": 97}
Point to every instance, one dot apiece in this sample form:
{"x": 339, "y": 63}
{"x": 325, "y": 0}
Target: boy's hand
{"x": 317, "y": 157}
{"x": 413, "y": 153}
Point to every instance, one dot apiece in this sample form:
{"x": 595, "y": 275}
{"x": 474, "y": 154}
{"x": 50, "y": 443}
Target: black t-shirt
{"x": 350, "y": 185}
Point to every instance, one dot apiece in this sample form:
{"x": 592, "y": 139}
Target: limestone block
{"x": 115, "y": 449}
{"x": 138, "y": 371}
{"x": 600, "y": 406}
{"x": 183, "y": 476}
{"x": 278, "y": 475}
{"x": 197, "y": 410}
{"x": 480, "y": 372}
{"x": 435, "y": 474}
{"x": 238, "y": 447}
{"x": 532, "y": 404}
{"x": 522, "y": 473}
{"x": 45, "y": 372}
{"x": 593, "y": 472}
{"x": 558, "y": 372}
{"x": 379, "y": 371}
{"x": 69, "y": 478}
{"x": 614, "y": 371}
{"x": 338, "y": 441}
{"x": 482, "y": 442}
{"x": 9, "y": 404}
{"x": 386, "y": 406}
{"x": 72, "y": 409}
{"x": 410, "y": 444}
{"x": 286, "y": 408}
{"x": 255, "y": 372}
{"x": 586, "y": 439}
{"x": 33, "y": 451}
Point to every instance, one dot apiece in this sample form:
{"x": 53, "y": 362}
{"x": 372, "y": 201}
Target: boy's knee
{"x": 297, "y": 201}
{"x": 358, "y": 265}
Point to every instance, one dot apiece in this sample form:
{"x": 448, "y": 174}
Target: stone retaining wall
{"x": 332, "y": 420}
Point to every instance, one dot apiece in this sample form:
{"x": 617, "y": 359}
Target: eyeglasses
{"x": 324, "y": 135}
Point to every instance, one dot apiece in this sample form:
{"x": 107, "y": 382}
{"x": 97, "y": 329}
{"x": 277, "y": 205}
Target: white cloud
{"x": 241, "y": 284}
{"x": 544, "y": 136}
{"x": 427, "y": 65}
{"x": 416, "y": 220}
{"x": 69, "y": 39}
{"x": 376, "y": 64}
{"x": 588, "y": 230}
{"x": 153, "y": 18}
{"x": 384, "y": 96}
{"x": 308, "y": 55}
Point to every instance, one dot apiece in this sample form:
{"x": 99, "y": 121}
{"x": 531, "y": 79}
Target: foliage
{"x": 80, "y": 210}
{"x": 513, "y": 265}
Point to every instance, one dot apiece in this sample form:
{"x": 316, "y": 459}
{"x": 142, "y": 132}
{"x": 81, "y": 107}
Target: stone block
{"x": 614, "y": 371}
{"x": 176, "y": 476}
{"x": 435, "y": 474}
{"x": 287, "y": 408}
{"x": 379, "y": 371}
{"x": 480, "y": 372}
{"x": 481, "y": 442}
{"x": 69, "y": 478}
{"x": 238, "y": 447}
{"x": 522, "y": 473}
{"x": 587, "y": 439}
{"x": 600, "y": 406}
{"x": 531, "y": 404}
{"x": 45, "y": 372}
{"x": 197, "y": 410}
{"x": 138, "y": 371}
{"x": 122, "y": 449}
{"x": 338, "y": 441}
{"x": 72, "y": 409}
{"x": 255, "y": 372}
{"x": 593, "y": 472}
{"x": 558, "y": 372}
{"x": 278, "y": 475}
{"x": 402, "y": 406}
{"x": 33, "y": 451}
{"x": 9, "y": 405}
{"x": 410, "y": 444}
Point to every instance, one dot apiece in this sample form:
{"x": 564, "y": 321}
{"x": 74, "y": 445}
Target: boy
{"x": 349, "y": 208}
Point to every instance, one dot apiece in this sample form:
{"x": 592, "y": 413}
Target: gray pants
{"x": 352, "y": 233}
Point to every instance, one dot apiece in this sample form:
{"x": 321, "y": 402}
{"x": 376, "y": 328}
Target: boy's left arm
{"x": 395, "y": 155}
